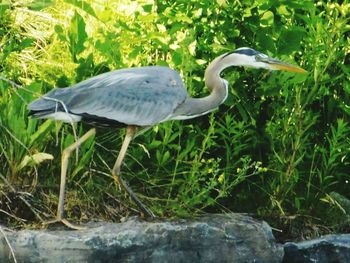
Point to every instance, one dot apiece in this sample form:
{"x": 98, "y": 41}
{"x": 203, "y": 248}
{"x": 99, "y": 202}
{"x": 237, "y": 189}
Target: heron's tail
{"x": 49, "y": 103}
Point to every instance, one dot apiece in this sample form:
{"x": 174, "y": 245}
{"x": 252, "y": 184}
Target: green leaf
{"x": 86, "y": 150}
{"x": 4, "y": 5}
{"x": 165, "y": 157}
{"x": 283, "y": 11}
{"x": 176, "y": 58}
{"x": 39, "y": 5}
{"x": 304, "y": 5}
{"x": 265, "y": 41}
{"x": 77, "y": 35}
{"x": 27, "y": 42}
{"x": 290, "y": 40}
{"x": 83, "y": 5}
{"x": 40, "y": 133}
{"x": 147, "y": 8}
{"x": 267, "y": 19}
{"x": 34, "y": 159}
{"x": 60, "y": 33}
{"x": 221, "y": 2}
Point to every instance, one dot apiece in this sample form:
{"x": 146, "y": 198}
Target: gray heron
{"x": 137, "y": 98}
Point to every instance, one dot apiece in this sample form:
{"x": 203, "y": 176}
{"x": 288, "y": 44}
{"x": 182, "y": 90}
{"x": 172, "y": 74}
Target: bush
{"x": 277, "y": 147}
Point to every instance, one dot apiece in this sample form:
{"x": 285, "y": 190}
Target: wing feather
{"x": 136, "y": 96}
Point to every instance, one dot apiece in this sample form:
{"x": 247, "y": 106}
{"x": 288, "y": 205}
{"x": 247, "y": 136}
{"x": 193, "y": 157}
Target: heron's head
{"x": 249, "y": 57}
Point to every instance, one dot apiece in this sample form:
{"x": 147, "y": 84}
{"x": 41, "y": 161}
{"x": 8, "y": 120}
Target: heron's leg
{"x": 130, "y": 133}
{"x": 64, "y": 167}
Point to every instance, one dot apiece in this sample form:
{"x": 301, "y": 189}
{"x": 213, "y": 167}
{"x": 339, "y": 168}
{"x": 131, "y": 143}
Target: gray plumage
{"x": 137, "y": 96}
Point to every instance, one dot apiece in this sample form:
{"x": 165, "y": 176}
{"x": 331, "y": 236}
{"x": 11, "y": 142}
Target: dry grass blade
{"x": 13, "y": 216}
{"x": 8, "y": 244}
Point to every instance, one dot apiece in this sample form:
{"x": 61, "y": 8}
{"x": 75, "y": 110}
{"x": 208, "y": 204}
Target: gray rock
{"x": 327, "y": 249}
{"x": 211, "y": 238}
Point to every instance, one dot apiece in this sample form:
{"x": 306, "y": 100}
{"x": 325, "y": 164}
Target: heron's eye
{"x": 261, "y": 57}
{"x": 257, "y": 58}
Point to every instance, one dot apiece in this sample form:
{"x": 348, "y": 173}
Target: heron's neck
{"x": 194, "y": 107}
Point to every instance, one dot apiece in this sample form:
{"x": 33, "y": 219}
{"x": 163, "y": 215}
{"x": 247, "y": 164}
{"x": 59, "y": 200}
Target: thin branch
{"x": 9, "y": 245}
{"x": 13, "y": 216}
{"x": 12, "y": 83}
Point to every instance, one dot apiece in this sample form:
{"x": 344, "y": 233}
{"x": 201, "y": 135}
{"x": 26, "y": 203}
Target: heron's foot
{"x": 65, "y": 222}
{"x": 117, "y": 182}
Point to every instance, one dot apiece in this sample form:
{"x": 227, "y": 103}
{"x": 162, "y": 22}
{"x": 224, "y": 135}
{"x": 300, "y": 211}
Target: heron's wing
{"x": 136, "y": 96}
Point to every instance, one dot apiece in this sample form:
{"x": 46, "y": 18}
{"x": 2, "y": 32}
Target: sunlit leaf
{"x": 77, "y": 34}
{"x": 4, "y": 5}
{"x": 267, "y": 19}
{"x": 41, "y": 131}
{"x": 82, "y": 5}
{"x": 221, "y": 2}
{"x": 34, "y": 159}
{"x": 201, "y": 61}
{"x": 40, "y": 4}
{"x": 192, "y": 48}
{"x": 283, "y": 11}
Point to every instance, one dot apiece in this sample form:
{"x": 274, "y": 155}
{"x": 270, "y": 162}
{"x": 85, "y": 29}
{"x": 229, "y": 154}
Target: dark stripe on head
{"x": 246, "y": 51}
{"x": 243, "y": 51}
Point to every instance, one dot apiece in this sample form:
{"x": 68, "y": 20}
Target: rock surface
{"x": 211, "y": 238}
{"x": 327, "y": 249}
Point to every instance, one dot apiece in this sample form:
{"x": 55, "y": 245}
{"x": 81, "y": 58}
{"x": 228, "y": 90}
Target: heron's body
{"x": 139, "y": 97}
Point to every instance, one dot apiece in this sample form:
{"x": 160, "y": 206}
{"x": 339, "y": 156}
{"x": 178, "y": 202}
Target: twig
{"x": 122, "y": 203}
{"x": 13, "y": 216}
{"x": 11, "y": 82}
{"x": 277, "y": 230}
{"x": 9, "y": 245}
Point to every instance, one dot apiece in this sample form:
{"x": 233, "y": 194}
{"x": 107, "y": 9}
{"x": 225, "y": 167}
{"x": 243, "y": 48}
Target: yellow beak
{"x": 276, "y": 64}
{"x": 279, "y": 65}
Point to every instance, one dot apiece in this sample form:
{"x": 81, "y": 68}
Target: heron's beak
{"x": 276, "y": 64}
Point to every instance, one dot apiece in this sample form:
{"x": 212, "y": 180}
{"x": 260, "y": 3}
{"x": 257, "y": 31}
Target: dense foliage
{"x": 279, "y": 147}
